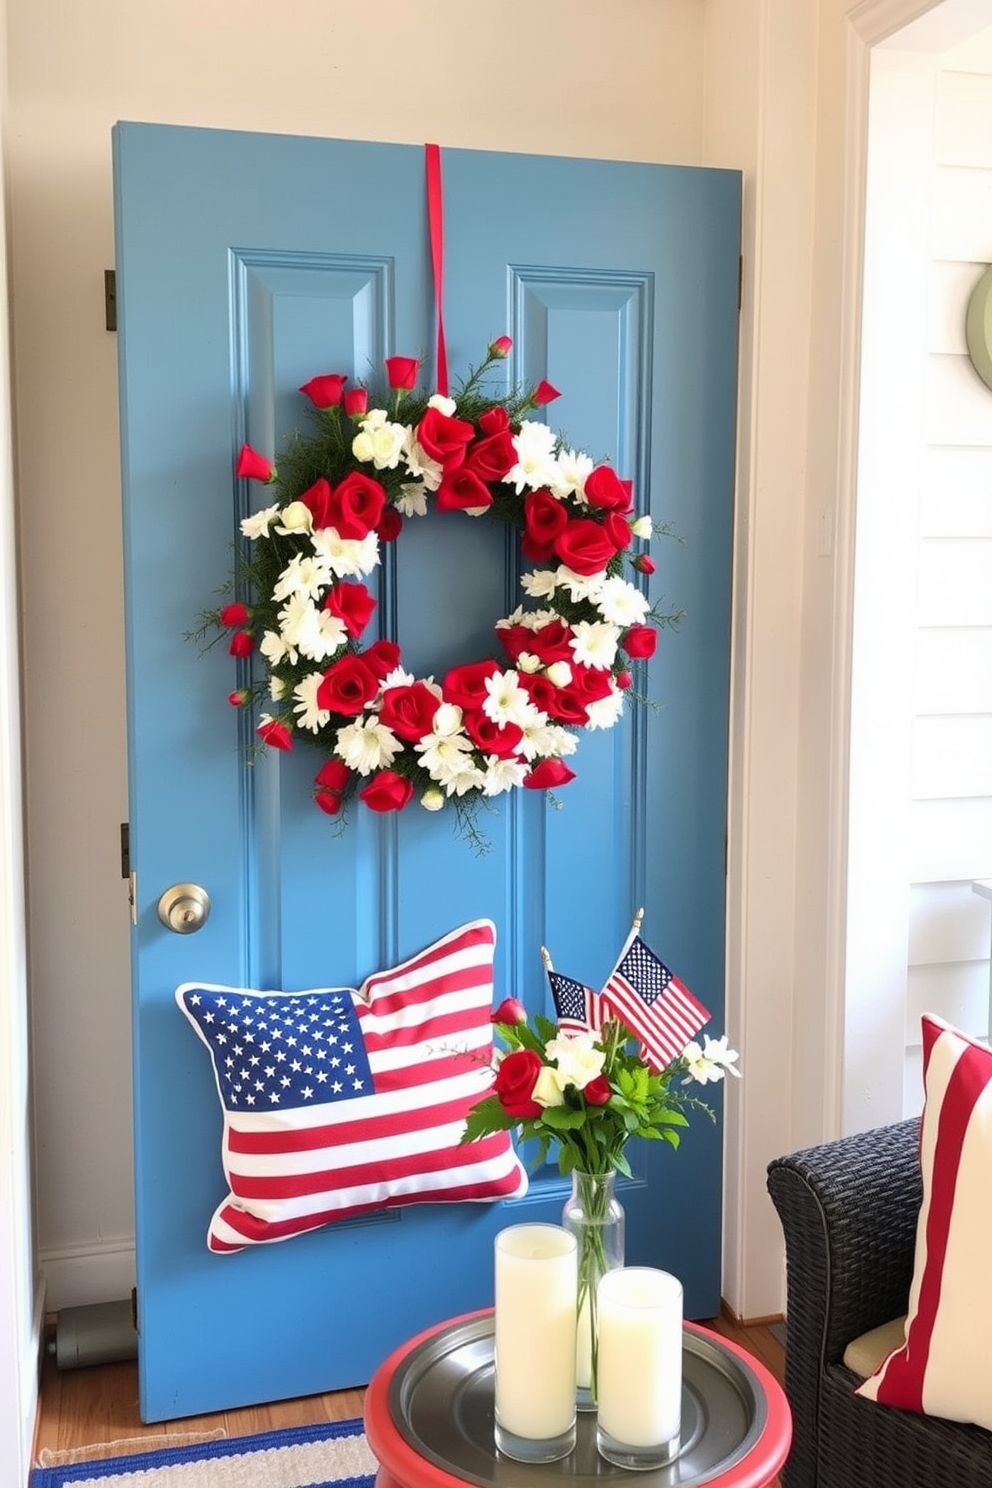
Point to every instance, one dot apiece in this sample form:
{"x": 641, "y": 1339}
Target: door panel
{"x": 246, "y": 264}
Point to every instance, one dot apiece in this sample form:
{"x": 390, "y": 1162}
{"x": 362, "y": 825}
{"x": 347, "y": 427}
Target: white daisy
{"x": 308, "y": 714}
{"x": 605, "y": 712}
{"x": 621, "y": 603}
{"x": 367, "y": 745}
{"x": 579, "y": 586}
{"x": 412, "y": 499}
{"x": 259, "y": 523}
{"x": 320, "y": 635}
{"x": 564, "y": 742}
{"x": 444, "y": 756}
{"x": 506, "y": 701}
{"x": 275, "y": 649}
{"x": 540, "y": 584}
{"x": 346, "y": 556}
{"x": 535, "y": 467}
{"x": 594, "y": 643}
{"x": 572, "y": 469}
{"x": 502, "y": 775}
{"x": 539, "y": 737}
{"x": 302, "y": 575}
{"x": 277, "y": 687}
{"x": 420, "y": 464}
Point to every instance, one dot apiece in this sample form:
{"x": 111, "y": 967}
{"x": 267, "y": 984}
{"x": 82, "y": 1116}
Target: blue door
{"x": 246, "y": 264}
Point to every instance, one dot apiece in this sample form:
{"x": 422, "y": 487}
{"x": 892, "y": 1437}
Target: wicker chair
{"x": 849, "y": 1211}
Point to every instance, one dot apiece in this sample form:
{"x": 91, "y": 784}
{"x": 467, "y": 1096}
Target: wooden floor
{"x": 98, "y": 1406}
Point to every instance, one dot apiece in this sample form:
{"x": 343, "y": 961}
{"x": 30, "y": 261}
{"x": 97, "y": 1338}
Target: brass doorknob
{"x": 183, "y": 908}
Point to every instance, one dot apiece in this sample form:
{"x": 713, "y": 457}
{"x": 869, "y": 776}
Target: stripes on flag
{"x": 579, "y": 1008}
{"x": 337, "y": 1102}
{"x": 654, "y": 1004}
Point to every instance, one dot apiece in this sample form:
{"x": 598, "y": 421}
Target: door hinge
{"x": 110, "y": 298}
{"x": 125, "y": 849}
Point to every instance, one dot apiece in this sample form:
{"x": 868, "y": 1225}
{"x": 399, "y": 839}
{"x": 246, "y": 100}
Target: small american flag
{"x": 339, "y": 1102}
{"x": 654, "y": 1004}
{"x": 579, "y": 1008}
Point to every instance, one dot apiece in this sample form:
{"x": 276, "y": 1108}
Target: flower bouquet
{"x": 616, "y": 1065}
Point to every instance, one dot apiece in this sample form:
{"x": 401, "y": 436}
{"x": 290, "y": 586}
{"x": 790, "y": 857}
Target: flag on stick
{"x": 653, "y": 1003}
{"x": 579, "y": 1008}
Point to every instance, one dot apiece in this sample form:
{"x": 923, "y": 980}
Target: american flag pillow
{"x": 337, "y": 1102}
{"x": 942, "y": 1368}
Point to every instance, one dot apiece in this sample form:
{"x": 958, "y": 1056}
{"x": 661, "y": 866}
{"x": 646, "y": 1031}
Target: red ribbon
{"x": 435, "y": 222}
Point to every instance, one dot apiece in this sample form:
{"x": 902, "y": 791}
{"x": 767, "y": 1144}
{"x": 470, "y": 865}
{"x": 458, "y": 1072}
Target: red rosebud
{"x": 462, "y": 491}
{"x": 444, "y": 438}
{"x": 604, "y": 488}
{"x": 549, "y": 774}
{"x": 494, "y": 420}
{"x": 352, "y": 604}
{"x": 381, "y": 658}
{"x": 510, "y": 1011}
{"x": 234, "y": 614}
{"x": 253, "y": 466}
{"x": 386, "y": 791}
{"x": 624, "y": 680}
{"x": 242, "y": 643}
{"x": 644, "y": 564}
{"x": 390, "y": 525}
{"x": 347, "y": 686}
{"x": 275, "y": 733}
{"x": 318, "y": 499}
{"x": 325, "y": 391}
{"x": 356, "y": 402}
{"x": 328, "y": 802}
{"x": 409, "y": 711}
{"x": 466, "y": 685}
{"x": 402, "y": 372}
{"x": 515, "y": 1079}
{"x": 492, "y": 738}
{"x": 239, "y": 699}
{"x": 501, "y": 347}
{"x": 356, "y": 505}
{"x": 597, "y": 1092}
{"x": 640, "y": 642}
{"x": 544, "y": 393}
{"x": 333, "y": 775}
{"x": 584, "y": 546}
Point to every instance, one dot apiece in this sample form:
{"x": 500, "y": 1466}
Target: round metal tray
{"x": 441, "y": 1403}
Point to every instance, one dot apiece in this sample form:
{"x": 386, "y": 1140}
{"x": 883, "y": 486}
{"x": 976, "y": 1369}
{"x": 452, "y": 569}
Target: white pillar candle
{"x": 640, "y": 1356}
{"x": 536, "y": 1297}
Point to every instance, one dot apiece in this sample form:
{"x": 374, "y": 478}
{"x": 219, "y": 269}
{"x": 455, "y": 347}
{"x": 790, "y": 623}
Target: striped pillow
{"x": 942, "y": 1368}
{"x": 339, "y": 1102}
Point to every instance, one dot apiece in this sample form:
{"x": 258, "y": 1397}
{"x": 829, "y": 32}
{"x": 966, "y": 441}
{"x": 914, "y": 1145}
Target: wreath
{"x": 491, "y": 725}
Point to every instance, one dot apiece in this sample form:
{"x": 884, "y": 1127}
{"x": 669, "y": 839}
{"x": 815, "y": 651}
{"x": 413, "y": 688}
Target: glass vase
{"x": 595, "y": 1217}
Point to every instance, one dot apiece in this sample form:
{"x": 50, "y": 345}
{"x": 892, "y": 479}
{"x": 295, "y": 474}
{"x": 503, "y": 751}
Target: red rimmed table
{"x": 429, "y": 1419}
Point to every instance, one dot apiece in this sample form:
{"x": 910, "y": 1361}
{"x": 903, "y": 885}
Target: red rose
{"x": 491, "y": 458}
{"x": 234, "y": 614}
{"x": 544, "y": 393}
{"x": 490, "y": 737}
{"x": 514, "y": 639}
{"x": 402, "y": 372}
{"x": 318, "y": 500}
{"x": 390, "y": 525}
{"x": 275, "y": 733}
{"x": 444, "y": 438}
{"x": 253, "y": 466}
{"x": 548, "y": 774}
{"x": 356, "y": 402}
{"x": 466, "y": 685}
{"x": 552, "y": 642}
{"x": 381, "y": 658}
{"x": 584, "y": 546}
{"x": 328, "y": 802}
{"x": 325, "y": 391}
{"x": 386, "y": 791}
{"x": 640, "y": 642}
{"x": 545, "y": 518}
{"x": 501, "y": 347}
{"x": 494, "y": 421}
{"x": 353, "y": 604}
{"x": 598, "y": 1091}
{"x": 462, "y": 491}
{"x": 510, "y": 1011}
{"x": 515, "y": 1079}
{"x": 542, "y": 693}
{"x": 604, "y": 488}
{"x": 617, "y": 529}
{"x": 356, "y": 505}
{"x": 588, "y": 685}
{"x": 333, "y": 775}
{"x": 409, "y": 711}
{"x": 644, "y": 564}
{"x": 347, "y": 686}
{"x": 242, "y": 643}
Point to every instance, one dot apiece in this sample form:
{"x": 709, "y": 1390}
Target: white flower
{"x": 577, "y": 1059}
{"x": 711, "y": 1062}
{"x": 604, "y": 712}
{"x": 539, "y": 737}
{"x": 275, "y": 649}
{"x": 319, "y": 634}
{"x": 642, "y": 527}
{"x": 302, "y": 575}
{"x": 277, "y": 687}
{"x": 621, "y": 603}
{"x": 308, "y": 714}
{"x": 563, "y": 741}
{"x": 259, "y": 523}
{"x": 294, "y": 518}
{"x": 502, "y": 775}
{"x": 540, "y": 584}
{"x": 528, "y": 663}
{"x": 594, "y": 643}
{"x": 572, "y": 469}
{"x": 559, "y": 674}
{"x": 444, "y": 758}
{"x": 379, "y": 441}
{"x": 444, "y": 405}
{"x": 547, "y": 1091}
{"x": 506, "y": 701}
{"x": 398, "y": 677}
{"x": 367, "y": 745}
{"x": 432, "y": 799}
{"x": 447, "y": 720}
{"x": 420, "y": 464}
{"x": 412, "y": 500}
{"x": 579, "y": 586}
{"x": 346, "y": 556}
{"x": 535, "y": 467}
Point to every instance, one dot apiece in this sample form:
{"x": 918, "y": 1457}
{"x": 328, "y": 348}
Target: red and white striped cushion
{"x": 943, "y": 1367}
{"x": 338, "y": 1102}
